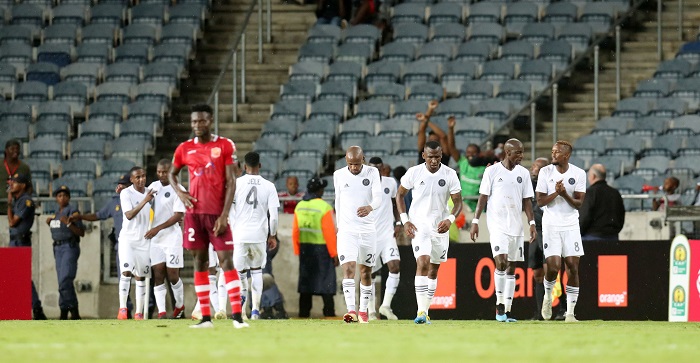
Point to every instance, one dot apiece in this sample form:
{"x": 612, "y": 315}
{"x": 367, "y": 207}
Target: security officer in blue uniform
{"x": 20, "y": 215}
{"x": 66, "y": 250}
{"x": 113, "y": 210}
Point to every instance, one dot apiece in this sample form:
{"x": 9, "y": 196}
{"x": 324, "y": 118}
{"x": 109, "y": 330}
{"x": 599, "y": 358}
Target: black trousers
{"x": 306, "y": 302}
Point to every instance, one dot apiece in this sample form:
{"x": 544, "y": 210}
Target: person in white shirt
{"x": 166, "y": 242}
{"x": 561, "y": 188}
{"x": 388, "y": 226}
{"x": 255, "y": 198}
{"x": 429, "y": 220}
{"x": 358, "y": 192}
{"x": 134, "y": 250}
{"x": 507, "y": 188}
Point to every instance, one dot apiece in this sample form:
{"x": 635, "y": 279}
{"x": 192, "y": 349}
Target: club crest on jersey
{"x": 496, "y": 248}
{"x": 441, "y": 182}
{"x": 386, "y": 190}
{"x": 215, "y": 152}
{"x": 545, "y": 246}
{"x": 342, "y": 257}
{"x": 167, "y": 194}
{"x": 520, "y": 180}
{"x": 572, "y": 181}
{"x": 365, "y": 182}
{"x": 126, "y": 264}
{"x": 416, "y": 248}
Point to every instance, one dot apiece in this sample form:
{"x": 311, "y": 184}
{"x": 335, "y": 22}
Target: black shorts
{"x": 535, "y": 254}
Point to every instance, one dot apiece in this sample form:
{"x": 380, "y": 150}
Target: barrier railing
{"x": 239, "y": 41}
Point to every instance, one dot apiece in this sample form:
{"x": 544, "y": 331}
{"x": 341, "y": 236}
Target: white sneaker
{"x": 386, "y": 311}
{"x": 196, "y": 315}
{"x": 373, "y": 316}
{"x": 547, "y": 307}
{"x": 570, "y": 318}
{"x": 241, "y": 325}
{"x": 203, "y": 325}
{"x": 220, "y": 315}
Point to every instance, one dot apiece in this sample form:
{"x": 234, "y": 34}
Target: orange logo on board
{"x": 612, "y": 281}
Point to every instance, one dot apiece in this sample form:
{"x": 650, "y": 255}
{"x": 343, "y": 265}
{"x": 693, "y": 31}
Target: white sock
{"x": 178, "y": 293}
{"x": 140, "y": 296}
{"x": 349, "y": 293}
{"x": 365, "y": 294}
{"x": 372, "y": 308}
{"x": 421, "y": 286}
{"x": 124, "y": 286}
{"x": 499, "y": 278}
{"x": 509, "y": 291}
{"x": 159, "y": 292}
{"x": 548, "y": 287}
{"x": 432, "y": 285}
{"x": 213, "y": 294}
{"x": 196, "y": 306}
{"x": 256, "y": 288}
{"x": 392, "y": 283}
{"x": 244, "y": 286}
{"x": 222, "y": 293}
{"x": 571, "y": 298}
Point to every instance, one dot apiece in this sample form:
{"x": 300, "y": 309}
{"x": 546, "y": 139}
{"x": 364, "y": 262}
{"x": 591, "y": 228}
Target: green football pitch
{"x": 335, "y": 341}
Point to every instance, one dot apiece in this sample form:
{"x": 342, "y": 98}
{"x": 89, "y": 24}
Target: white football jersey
{"x": 385, "y": 213}
{"x": 165, "y": 204}
{"x": 431, "y": 192}
{"x": 559, "y": 215}
{"x": 353, "y": 192}
{"x": 506, "y": 190}
{"x": 134, "y": 230}
{"x": 254, "y": 198}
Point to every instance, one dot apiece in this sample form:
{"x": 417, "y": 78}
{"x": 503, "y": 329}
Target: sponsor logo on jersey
{"x": 215, "y": 152}
{"x": 422, "y": 183}
{"x": 441, "y": 182}
{"x": 500, "y": 180}
{"x": 612, "y": 281}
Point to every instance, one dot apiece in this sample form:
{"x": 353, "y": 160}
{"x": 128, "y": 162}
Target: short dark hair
{"x": 12, "y": 142}
{"x": 202, "y": 107}
{"x": 478, "y": 149}
{"x": 375, "y": 160}
{"x": 165, "y": 161}
{"x": 399, "y": 172}
{"x": 252, "y": 159}
{"x": 433, "y": 145}
{"x": 135, "y": 168}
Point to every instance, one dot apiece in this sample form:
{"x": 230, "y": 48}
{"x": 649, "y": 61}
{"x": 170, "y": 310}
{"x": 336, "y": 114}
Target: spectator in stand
{"x": 330, "y": 12}
{"x": 292, "y": 191}
{"x": 669, "y": 188}
{"x": 12, "y": 165}
{"x": 602, "y": 214}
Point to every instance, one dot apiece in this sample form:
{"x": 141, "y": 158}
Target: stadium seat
{"x": 307, "y": 70}
{"x": 182, "y": 13}
{"x": 599, "y": 16}
{"x": 111, "y": 14}
{"x": 160, "y": 72}
{"x": 147, "y": 14}
{"x": 47, "y": 73}
{"x": 517, "y": 51}
{"x": 79, "y": 169}
{"x": 320, "y": 128}
{"x": 299, "y": 90}
{"x": 78, "y": 187}
{"x": 538, "y": 33}
{"x": 106, "y": 110}
{"x": 579, "y": 35}
{"x": 69, "y": 14}
{"x": 490, "y": 33}
{"x": 87, "y": 147}
{"x": 132, "y": 53}
{"x": 285, "y": 129}
{"x": 361, "y": 33}
{"x": 653, "y": 88}
{"x": 557, "y": 52}
{"x": 345, "y": 71}
{"x": 448, "y": 33}
{"x": 73, "y": 93}
{"x": 338, "y": 90}
{"x": 611, "y": 126}
{"x": 396, "y": 128}
{"x": 114, "y": 91}
{"x": 330, "y": 109}
{"x": 315, "y": 148}
{"x": 271, "y": 147}
{"x": 140, "y": 34}
{"x": 484, "y": 12}
{"x": 474, "y": 51}
{"x": 397, "y": 52}
{"x": 456, "y": 73}
{"x": 382, "y": 72}
{"x": 15, "y": 34}
{"x": 376, "y": 146}
{"x": 409, "y": 108}
{"x": 454, "y": 107}
{"x": 317, "y": 52}
{"x": 33, "y": 92}
{"x": 473, "y": 127}
{"x": 435, "y": 52}
{"x": 476, "y": 90}
{"x": 94, "y": 53}
{"x": 408, "y": 13}
{"x": 446, "y": 13}
{"x": 387, "y": 91}
{"x": 292, "y": 110}
{"x": 410, "y": 33}
{"x": 518, "y": 15}
{"x": 418, "y": 72}
{"x": 300, "y": 166}
{"x": 102, "y": 129}
{"x": 323, "y": 33}
{"x": 426, "y": 92}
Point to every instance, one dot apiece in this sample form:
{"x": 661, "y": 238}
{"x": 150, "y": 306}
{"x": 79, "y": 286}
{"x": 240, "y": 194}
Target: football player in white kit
{"x": 429, "y": 220}
{"x": 166, "y": 242}
{"x": 388, "y": 225}
{"x": 561, "y": 188}
{"x": 255, "y": 199}
{"x": 507, "y": 188}
{"x": 358, "y": 192}
{"x": 134, "y": 250}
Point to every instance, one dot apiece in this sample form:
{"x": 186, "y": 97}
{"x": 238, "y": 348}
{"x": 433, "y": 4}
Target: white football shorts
{"x": 562, "y": 243}
{"x": 357, "y": 247}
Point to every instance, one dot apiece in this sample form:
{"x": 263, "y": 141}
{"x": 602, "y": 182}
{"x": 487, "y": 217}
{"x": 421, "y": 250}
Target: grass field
{"x": 335, "y": 341}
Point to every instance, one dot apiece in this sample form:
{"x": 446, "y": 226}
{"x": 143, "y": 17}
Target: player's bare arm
{"x": 222, "y": 222}
{"x": 408, "y": 227}
{"x": 397, "y": 217}
{"x": 183, "y": 194}
{"x": 451, "y": 147}
{"x": 480, "y": 204}
{"x": 543, "y": 199}
{"x": 575, "y": 201}
{"x": 271, "y": 242}
{"x": 177, "y": 217}
{"x": 527, "y": 207}
{"x": 444, "y": 225}
{"x": 132, "y": 213}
